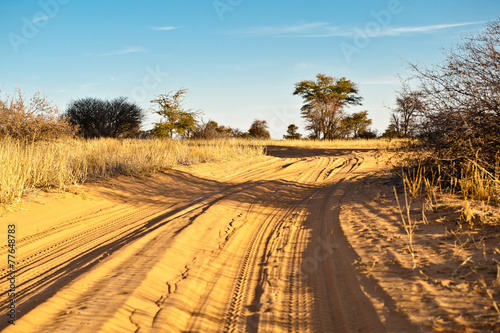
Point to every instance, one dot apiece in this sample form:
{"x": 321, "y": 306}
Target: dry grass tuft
{"x": 409, "y": 224}
{"x": 466, "y": 195}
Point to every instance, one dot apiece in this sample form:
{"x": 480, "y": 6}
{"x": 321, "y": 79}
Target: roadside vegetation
{"x": 452, "y": 176}
{"x": 33, "y": 119}
{"x": 454, "y": 110}
{"x": 93, "y": 139}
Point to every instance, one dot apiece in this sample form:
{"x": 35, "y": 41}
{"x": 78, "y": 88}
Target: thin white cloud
{"x": 90, "y": 84}
{"x": 294, "y": 30}
{"x": 125, "y": 51}
{"x": 304, "y": 66}
{"x": 396, "y": 31}
{"x": 42, "y": 18}
{"x": 164, "y": 28}
{"x": 322, "y": 29}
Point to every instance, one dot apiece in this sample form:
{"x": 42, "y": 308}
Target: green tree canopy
{"x": 259, "y": 130}
{"x": 357, "y": 123}
{"x": 176, "y": 120}
{"x": 324, "y": 101}
{"x": 292, "y": 133}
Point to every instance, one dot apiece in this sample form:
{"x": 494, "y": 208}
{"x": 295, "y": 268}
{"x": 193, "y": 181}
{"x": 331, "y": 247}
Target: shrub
{"x": 32, "y": 120}
{"x": 259, "y": 129}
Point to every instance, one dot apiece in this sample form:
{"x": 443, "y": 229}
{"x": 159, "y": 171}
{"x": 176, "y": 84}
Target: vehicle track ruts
{"x": 298, "y": 303}
{"x": 49, "y": 258}
{"x": 264, "y": 222}
{"x": 75, "y": 239}
{"x": 49, "y": 263}
{"x": 337, "y": 289}
{"x": 245, "y": 284}
{"x": 127, "y": 278}
{"x": 45, "y": 258}
{"x": 22, "y": 241}
{"x": 195, "y": 322}
{"x": 297, "y": 296}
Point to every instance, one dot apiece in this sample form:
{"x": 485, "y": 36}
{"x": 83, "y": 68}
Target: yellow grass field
{"x": 58, "y": 165}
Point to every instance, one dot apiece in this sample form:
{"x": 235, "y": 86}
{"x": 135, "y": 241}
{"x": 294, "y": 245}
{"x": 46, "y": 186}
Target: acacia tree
{"x": 356, "y": 124}
{"x": 292, "y": 133}
{"x": 324, "y": 102}
{"x": 259, "y": 129}
{"x": 462, "y": 115}
{"x": 176, "y": 120}
{"x": 105, "y": 118}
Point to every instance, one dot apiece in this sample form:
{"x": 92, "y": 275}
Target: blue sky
{"x": 239, "y": 59}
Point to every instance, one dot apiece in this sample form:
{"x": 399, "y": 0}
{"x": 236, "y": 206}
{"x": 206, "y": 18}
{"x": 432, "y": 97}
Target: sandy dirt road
{"x": 246, "y": 246}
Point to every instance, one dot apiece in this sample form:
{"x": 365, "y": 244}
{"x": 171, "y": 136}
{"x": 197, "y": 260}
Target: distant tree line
{"x": 91, "y": 117}
{"x": 37, "y": 119}
{"x": 178, "y": 121}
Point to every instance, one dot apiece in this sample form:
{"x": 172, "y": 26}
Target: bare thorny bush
{"x": 461, "y": 118}
{"x": 32, "y": 120}
{"x": 459, "y": 121}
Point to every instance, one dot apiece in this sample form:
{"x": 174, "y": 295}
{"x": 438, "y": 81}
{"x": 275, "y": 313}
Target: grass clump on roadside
{"x": 467, "y": 180}
{"x": 458, "y": 203}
